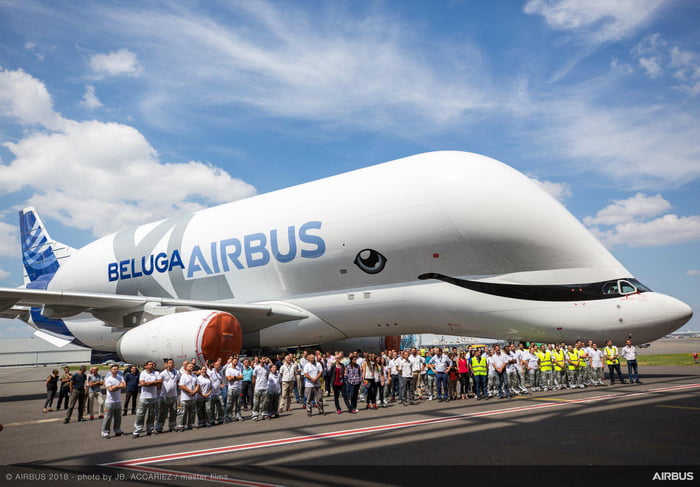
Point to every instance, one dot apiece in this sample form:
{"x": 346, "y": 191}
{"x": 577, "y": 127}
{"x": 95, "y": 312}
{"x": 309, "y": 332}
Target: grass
{"x": 663, "y": 359}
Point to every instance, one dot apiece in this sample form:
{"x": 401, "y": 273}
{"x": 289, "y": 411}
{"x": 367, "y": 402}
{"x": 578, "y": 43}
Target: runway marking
{"x": 677, "y": 407}
{"x": 38, "y": 421}
{"x": 373, "y": 429}
{"x": 545, "y": 399}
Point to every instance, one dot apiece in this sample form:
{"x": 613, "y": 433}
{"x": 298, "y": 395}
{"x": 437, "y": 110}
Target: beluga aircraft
{"x": 443, "y": 242}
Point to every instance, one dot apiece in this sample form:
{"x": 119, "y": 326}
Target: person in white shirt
{"x": 204, "y": 417}
{"x": 403, "y": 367}
{"x": 532, "y": 364}
{"x": 288, "y": 371}
{"x": 392, "y": 364}
{"x": 597, "y": 366}
{"x": 512, "y": 371}
{"x": 272, "y": 398}
{"x": 217, "y": 403}
{"x": 234, "y": 376}
{"x": 629, "y": 353}
{"x": 188, "y": 399}
{"x": 260, "y": 373}
{"x": 417, "y": 365}
{"x": 149, "y": 381}
{"x": 492, "y": 375}
{"x": 312, "y": 385}
{"x": 167, "y": 400}
{"x": 114, "y": 385}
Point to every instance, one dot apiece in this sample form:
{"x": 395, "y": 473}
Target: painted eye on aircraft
{"x": 370, "y": 261}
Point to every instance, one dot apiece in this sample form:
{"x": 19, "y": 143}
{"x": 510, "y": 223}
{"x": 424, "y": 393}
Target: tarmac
{"x": 630, "y": 432}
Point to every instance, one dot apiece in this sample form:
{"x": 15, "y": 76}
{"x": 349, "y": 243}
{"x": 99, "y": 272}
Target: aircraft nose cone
{"x": 677, "y": 312}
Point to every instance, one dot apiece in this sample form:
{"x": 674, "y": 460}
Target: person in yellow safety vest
{"x": 583, "y": 369}
{"x": 613, "y": 361}
{"x": 560, "y": 367}
{"x": 545, "y": 357}
{"x": 573, "y": 359}
{"x": 479, "y": 371}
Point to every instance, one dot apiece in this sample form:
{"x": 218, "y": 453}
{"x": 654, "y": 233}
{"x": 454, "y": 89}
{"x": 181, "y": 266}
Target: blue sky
{"x": 118, "y": 113}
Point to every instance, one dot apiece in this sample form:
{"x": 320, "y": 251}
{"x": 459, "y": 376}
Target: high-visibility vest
{"x": 572, "y": 356}
{"x": 559, "y": 357}
{"x": 545, "y": 360}
{"x": 479, "y": 366}
{"x": 610, "y": 352}
{"x": 582, "y": 357}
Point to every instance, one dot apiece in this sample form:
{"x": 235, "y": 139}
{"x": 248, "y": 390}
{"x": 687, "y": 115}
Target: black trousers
{"x": 130, "y": 396}
{"x": 337, "y": 391}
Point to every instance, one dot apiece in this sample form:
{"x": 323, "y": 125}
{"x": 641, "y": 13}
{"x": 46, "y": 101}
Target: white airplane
{"x": 444, "y": 242}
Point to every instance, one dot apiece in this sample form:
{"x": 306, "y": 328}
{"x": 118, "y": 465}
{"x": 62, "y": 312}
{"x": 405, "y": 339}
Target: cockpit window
{"x": 610, "y": 288}
{"x": 622, "y": 287}
{"x": 626, "y": 287}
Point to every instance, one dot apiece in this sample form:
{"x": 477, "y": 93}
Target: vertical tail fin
{"x": 41, "y": 254}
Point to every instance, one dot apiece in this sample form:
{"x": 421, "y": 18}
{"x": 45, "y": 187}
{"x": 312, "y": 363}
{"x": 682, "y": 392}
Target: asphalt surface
{"x": 617, "y": 430}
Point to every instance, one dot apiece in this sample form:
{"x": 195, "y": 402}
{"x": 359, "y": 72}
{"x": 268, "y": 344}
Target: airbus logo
{"x": 254, "y": 250}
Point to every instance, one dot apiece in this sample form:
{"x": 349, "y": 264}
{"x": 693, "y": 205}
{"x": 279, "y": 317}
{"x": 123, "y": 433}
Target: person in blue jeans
{"x": 629, "y": 352}
{"x": 441, "y": 364}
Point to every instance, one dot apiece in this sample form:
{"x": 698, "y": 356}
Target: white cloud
{"x": 32, "y": 47}
{"x": 639, "y": 206}
{"x": 369, "y": 72}
{"x": 83, "y": 171}
{"x": 560, "y": 191}
{"x": 596, "y": 21}
{"x": 118, "y": 63}
{"x": 659, "y": 58}
{"x": 26, "y": 98}
{"x": 90, "y": 100}
{"x": 651, "y": 66}
{"x": 639, "y": 147}
{"x": 4, "y": 274}
{"x": 666, "y": 230}
{"x": 693, "y": 272}
{"x": 631, "y": 226}
{"x": 9, "y": 243}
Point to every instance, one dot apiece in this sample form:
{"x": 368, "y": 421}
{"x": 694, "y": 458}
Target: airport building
{"x": 35, "y": 351}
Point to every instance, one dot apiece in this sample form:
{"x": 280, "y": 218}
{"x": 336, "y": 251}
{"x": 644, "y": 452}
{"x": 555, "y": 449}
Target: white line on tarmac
{"x": 37, "y": 421}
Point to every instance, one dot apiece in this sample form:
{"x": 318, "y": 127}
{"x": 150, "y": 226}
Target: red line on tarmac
{"x": 387, "y": 427}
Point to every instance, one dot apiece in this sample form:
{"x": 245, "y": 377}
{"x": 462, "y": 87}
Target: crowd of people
{"x": 260, "y": 388}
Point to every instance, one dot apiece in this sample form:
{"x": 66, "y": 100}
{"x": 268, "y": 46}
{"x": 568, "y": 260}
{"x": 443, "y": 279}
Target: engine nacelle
{"x": 202, "y": 335}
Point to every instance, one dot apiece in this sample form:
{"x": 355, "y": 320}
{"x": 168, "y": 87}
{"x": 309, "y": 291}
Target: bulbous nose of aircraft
{"x": 677, "y": 312}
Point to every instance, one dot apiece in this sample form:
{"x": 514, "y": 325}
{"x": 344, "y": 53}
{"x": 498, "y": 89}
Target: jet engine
{"x": 202, "y": 335}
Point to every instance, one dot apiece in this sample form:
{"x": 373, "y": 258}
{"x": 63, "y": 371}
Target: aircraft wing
{"x": 70, "y": 303}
